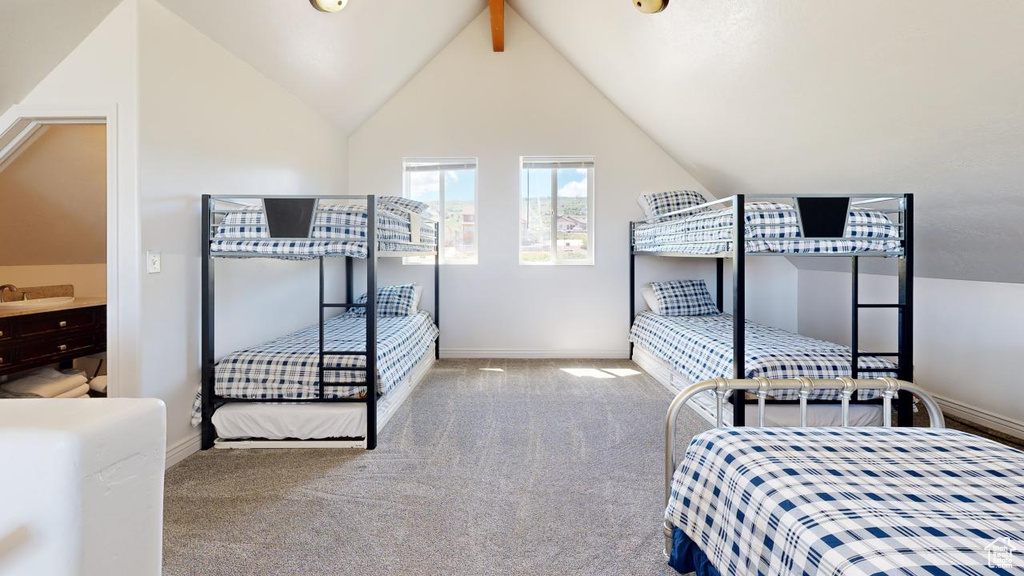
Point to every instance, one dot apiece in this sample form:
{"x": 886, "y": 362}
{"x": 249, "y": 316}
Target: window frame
{"x": 591, "y": 166}
{"x": 441, "y": 162}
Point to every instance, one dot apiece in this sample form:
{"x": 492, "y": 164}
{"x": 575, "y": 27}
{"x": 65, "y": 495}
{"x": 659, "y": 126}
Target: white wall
{"x": 472, "y": 102}
{"x": 968, "y": 337}
{"x": 101, "y": 73}
{"x": 210, "y": 123}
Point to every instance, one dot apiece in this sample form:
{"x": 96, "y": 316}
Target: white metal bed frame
{"x": 763, "y": 387}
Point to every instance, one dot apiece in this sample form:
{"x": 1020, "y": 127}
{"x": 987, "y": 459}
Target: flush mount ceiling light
{"x": 650, "y": 6}
{"x": 329, "y": 5}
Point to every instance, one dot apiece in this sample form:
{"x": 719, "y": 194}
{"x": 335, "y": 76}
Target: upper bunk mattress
{"x": 338, "y": 230}
{"x": 770, "y": 227}
{"x": 701, "y": 348}
{"x": 288, "y": 367}
{"x": 845, "y": 502}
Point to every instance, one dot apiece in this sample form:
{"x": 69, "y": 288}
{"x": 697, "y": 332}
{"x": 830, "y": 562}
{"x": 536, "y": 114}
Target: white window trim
{"x": 554, "y": 163}
{"x": 445, "y": 164}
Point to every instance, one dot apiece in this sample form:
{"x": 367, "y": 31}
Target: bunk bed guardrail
{"x": 212, "y": 215}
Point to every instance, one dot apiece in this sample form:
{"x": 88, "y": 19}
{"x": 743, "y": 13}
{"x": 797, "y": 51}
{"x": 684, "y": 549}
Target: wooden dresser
{"x": 31, "y": 340}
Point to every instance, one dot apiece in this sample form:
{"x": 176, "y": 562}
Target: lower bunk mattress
{"x": 846, "y": 502}
{"x": 310, "y": 421}
{"x": 698, "y": 348}
{"x": 706, "y": 405}
{"x": 701, "y": 348}
{"x": 288, "y": 368}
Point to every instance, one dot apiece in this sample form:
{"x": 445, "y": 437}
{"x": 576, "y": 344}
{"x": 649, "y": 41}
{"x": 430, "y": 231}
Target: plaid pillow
{"x": 391, "y": 301}
{"x": 414, "y": 206}
{"x": 661, "y": 203}
{"x": 248, "y": 222}
{"x": 684, "y": 298}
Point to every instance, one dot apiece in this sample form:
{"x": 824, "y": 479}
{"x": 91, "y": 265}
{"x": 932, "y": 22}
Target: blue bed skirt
{"x": 687, "y": 557}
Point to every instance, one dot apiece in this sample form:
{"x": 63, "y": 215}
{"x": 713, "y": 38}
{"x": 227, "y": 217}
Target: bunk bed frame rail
{"x": 210, "y": 400}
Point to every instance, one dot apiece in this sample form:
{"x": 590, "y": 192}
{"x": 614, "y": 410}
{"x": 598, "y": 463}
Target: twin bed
{"x": 336, "y": 383}
{"x": 840, "y": 501}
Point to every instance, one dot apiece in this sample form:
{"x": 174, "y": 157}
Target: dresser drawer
{"x": 6, "y": 330}
{"x": 7, "y": 356}
{"x": 55, "y": 346}
{"x": 55, "y": 322}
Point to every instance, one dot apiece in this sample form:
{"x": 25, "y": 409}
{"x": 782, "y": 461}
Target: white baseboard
{"x": 620, "y": 354}
{"x": 183, "y": 449}
{"x": 980, "y": 416}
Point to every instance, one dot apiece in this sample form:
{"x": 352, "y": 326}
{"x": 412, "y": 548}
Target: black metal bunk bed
{"x": 293, "y": 217}
{"x": 821, "y": 218}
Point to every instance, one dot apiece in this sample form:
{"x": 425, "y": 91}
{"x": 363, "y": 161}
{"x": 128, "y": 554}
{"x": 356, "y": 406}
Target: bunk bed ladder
{"x": 905, "y": 316}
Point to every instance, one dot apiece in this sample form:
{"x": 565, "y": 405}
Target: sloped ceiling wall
{"x": 345, "y": 65}
{"x": 818, "y": 96}
{"x": 59, "y": 179}
{"x": 35, "y": 35}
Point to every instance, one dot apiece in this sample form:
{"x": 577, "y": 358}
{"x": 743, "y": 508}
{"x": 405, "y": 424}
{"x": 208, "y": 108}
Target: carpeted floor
{"x": 490, "y": 467}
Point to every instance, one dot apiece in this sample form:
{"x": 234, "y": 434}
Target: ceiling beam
{"x": 498, "y": 24}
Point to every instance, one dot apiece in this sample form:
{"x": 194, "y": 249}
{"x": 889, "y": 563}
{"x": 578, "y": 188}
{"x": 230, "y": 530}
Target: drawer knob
{"x": 1, "y": 333}
{"x": 62, "y": 324}
{"x": 1, "y": 359}
{"x": 62, "y": 347}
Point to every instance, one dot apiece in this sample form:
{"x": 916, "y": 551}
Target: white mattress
{"x": 774, "y": 414}
{"x": 312, "y": 421}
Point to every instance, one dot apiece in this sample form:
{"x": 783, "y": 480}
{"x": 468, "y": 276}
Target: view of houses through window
{"x": 449, "y": 187}
{"x": 556, "y": 211}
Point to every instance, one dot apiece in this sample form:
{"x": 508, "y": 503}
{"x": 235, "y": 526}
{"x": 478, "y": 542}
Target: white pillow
{"x": 647, "y": 292}
{"x": 417, "y": 295}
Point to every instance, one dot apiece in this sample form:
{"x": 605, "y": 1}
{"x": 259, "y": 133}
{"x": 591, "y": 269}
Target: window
{"x": 449, "y": 187}
{"x": 556, "y": 211}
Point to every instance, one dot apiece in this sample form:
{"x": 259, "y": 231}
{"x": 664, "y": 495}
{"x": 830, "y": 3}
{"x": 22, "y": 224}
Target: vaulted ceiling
{"x": 346, "y": 65}
{"x": 795, "y": 97}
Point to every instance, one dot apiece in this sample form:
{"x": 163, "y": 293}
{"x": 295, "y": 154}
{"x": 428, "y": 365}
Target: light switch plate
{"x": 152, "y": 262}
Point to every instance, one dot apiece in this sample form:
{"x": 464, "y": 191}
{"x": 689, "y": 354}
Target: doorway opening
{"x": 57, "y": 274}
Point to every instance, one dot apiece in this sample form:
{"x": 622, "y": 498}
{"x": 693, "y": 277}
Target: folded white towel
{"x": 83, "y": 396}
{"x": 99, "y": 384}
{"x": 76, "y": 393}
{"x": 45, "y": 382}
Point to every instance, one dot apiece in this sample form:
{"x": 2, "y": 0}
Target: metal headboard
{"x": 763, "y": 387}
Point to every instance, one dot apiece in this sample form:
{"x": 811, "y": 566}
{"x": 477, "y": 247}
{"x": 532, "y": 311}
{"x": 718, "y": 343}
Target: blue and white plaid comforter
{"x": 769, "y": 227}
{"x": 338, "y": 230}
{"x": 700, "y": 348}
{"x": 848, "y": 501}
{"x": 287, "y": 367}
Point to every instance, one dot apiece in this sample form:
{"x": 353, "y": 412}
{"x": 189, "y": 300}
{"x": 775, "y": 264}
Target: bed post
{"x": 719, "y": 283}
{"x": 349, "y": 281}
{"x": 739, "y": 307}
{"x": 905, "y": 404}
{"x": 321, "y": 366}
{"x": 437, "y": 288}
{"x": 855, "y": 317}
{"x": 632, "y": 282}
{"x": 371, "y": 322}
{"x": 209, "y": 434}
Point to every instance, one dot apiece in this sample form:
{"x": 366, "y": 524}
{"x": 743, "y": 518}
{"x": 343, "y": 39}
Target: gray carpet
{"x": 490, "y": 467}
